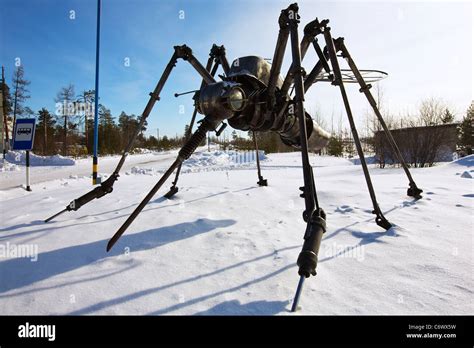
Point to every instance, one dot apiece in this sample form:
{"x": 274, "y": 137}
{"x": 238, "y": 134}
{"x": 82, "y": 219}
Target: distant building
{"x": 420, "y": 146}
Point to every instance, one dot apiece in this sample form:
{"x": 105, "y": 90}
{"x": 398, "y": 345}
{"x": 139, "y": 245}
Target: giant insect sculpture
{"x": 252, "y": 96}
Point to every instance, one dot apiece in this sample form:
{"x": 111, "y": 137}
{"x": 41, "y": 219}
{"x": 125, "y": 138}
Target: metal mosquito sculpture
{"x": 252, "y": 96}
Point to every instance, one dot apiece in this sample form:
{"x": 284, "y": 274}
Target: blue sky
{"x": 426, "y": 47}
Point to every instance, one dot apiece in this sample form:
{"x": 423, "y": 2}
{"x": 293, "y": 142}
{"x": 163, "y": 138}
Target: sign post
{"x": 23, "y": 139}
{"x": 28, "y": 188}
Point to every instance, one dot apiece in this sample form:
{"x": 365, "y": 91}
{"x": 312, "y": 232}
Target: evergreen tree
{"x": 141, "y": 138}
{"x": 44, "y": 132}
{"x": 109, "y": 137}
{"x": 165, "y": 143}
{"x": 90, "y": 135}
{"x": 186, "y": 131}
{"x": 127, "y": 125}
{"x": 466, "y": 131}
{"x": 448, "y": 117}
{"x": 151, "y": 143}
{"x": 335, "y": 146}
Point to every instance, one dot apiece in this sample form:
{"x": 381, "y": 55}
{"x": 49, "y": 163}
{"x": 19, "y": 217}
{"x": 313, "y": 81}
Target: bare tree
{"x": 379, "y": 142}
{"x": 20, "y": 92}
{"x": 65, "y": 109}
{"x": 431, "y": 111}
{"x": 318, "y": 117}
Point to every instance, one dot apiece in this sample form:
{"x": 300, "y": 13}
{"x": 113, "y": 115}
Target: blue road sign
{"x": 24, "y": 134}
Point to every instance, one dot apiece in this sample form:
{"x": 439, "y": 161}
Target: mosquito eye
{"x": 236, "y": 99}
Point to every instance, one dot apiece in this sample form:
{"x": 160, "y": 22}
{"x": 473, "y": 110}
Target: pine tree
{"x": 335, "y": 146}
{"x": 20, "y": 92}
{"x": 45, "y": 131}
{"x": 466, "y": 131}
{"x": 448, "y": 117}
{"x": 90, "y": 135}
{"x": 186, "y": 131}
{"x": 109, "y": 138}
{"x": 127, "y": 125}
{"x": 165, "y": 143}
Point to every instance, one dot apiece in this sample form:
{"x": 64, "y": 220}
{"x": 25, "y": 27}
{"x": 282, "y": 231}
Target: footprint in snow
{"x": 407, "y": 203}
{"x": 343, "y": 209}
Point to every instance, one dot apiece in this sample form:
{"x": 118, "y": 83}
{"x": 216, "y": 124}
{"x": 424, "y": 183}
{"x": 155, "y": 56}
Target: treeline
{"x": 53, "y": 137}
{"x": 69, "y": 129}
{"x": 114, "y": 134}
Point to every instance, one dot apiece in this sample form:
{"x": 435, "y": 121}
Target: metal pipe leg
{"x": 261, "y": 180}
{"x": 380, "y": 218}
{"x": 218, "y": 56}
{"x": 313, "y": 214}
{"x": 413, "y": 190}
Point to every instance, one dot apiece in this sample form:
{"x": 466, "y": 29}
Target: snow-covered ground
{"x": 223, "y": 245}
{"x": 12, "y": 172}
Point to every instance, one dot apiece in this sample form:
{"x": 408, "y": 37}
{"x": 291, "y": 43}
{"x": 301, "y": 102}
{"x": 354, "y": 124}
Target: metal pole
{"x": 5, "y": 118}
{"x": 28, "y": 188}
{"x": 95, "y": 161}
{"x": 86, "y": 109}
{"x": 261, "y": 180}
{"x": 2, "y": 127}
{"x": 256, "y": 152}
{"x": 296, "y": 299}
{"x": 380, "y": 218}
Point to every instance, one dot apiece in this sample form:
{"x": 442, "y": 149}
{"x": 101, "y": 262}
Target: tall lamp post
{"x": 95, "y": 161}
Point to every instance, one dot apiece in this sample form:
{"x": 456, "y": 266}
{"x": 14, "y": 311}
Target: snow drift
{"x": 19, "y": 158}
